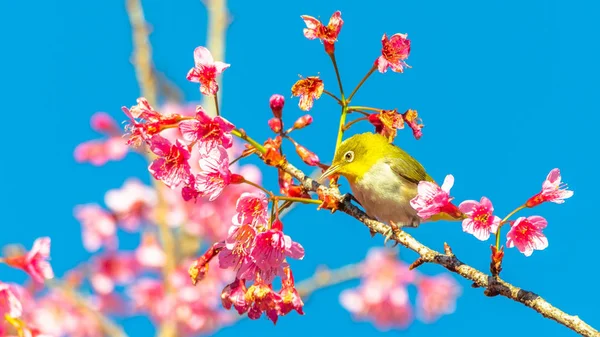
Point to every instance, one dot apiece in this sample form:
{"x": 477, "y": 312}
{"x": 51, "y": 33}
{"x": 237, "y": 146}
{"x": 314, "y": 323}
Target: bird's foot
{"x": 394, "y": 229}
{"x": 350, "y": 197}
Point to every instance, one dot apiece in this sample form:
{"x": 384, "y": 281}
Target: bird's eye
{"x": 349, "y": 156}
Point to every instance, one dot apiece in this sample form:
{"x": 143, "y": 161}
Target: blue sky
{"x": 507, "y": 91}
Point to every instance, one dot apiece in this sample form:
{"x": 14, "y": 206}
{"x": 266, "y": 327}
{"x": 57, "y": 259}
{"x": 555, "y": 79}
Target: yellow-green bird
{"x": 383, "y": 178}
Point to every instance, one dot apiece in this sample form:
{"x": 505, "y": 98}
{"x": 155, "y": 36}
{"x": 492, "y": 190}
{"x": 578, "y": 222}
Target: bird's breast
{"x": 386, "y": 196}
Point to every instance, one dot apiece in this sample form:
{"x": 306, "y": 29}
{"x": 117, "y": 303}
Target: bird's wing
{"x": 406, "y": 166}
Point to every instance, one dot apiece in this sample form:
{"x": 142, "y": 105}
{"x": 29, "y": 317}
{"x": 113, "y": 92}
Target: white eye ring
{"x": 349, "y": 156}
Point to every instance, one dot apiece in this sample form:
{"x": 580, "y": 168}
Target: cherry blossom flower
{"x": 262, "y": 299}
{"x": 553, "y": 190}
{"x": 480, "y": 221}
{"x": 9, "y": 303}
{"x": 308, "y": 89}
{"x": 237, "y": 248}
{"x": 100, "y": 152}
{"x": 327, "y": 34}
{"x": 215, "y": 174}
{"x": 411, "y": 117}
{"x": 132, "y": 203}
{"x": 104, "y": 123}
{"x": 111, "y": 269}
{"x": 387, "y": 123}
{"x": 393, "y": 53}
{"x": 209, "y": 131}
{"x": 206, "y": 70}
{"x": 171, "y": 166}
{"x": 98, "y": 227}
{"x": 432, "y": 200}
{"x": 252, "y": 209}
{"x": 35, "y": 262}
{"x": 436, "y": 296}
{"x": 233, "y": 295}
{"x": 150, "y": 253}
{"x": 269, "y": 252}
{"x": 290, "y": 298}
{"x": 526, "y": 234}
{"x": 145, "y": 122}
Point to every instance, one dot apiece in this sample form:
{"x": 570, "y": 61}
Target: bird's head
{"x": 356, "y": 155}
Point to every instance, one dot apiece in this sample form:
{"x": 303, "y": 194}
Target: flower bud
{"x": 104, "y": 123}
{"x": 303, "y": 121}
{"x": 296, "y": 191}
{"x": 277, "y": 225}
{"x": 237, "y": 179}
{"x": 276, "y": 103}
{"x": 275, "y": 124}
{"x": 310, "y": 158}
{"x": 496, "y": 264}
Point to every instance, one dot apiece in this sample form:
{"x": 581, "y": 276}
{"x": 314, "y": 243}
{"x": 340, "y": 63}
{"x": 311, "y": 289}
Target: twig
{"x": 493, "y": 286}
{"x": 325, "y": 277}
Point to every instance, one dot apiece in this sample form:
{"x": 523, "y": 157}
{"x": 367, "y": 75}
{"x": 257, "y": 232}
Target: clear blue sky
{"x": 507, "y": 90}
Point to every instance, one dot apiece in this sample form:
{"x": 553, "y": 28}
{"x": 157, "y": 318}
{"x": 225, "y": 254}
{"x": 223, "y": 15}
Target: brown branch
{"x": 493, "y": 285}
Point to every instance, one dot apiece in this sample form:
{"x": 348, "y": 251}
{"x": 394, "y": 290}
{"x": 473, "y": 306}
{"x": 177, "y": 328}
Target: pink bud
{"x": 103, "y": 122}
{"x": 303, "y": 121}
{"x": 276, "y": 103}
{"x": 307, "y": 156}
{"x": 275, "y": 124}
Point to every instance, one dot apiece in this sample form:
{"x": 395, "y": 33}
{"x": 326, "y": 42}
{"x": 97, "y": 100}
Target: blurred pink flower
{"x": 132, "y": 203}
{"x": 111, "y": 269}
{"x": 393, "y": 53}
{"x": 150, "y": 254}
{"x": 480, "y": 222}
{"x": 436, "y": 296}
{"x": 553, "y": 190}
{"x": 99, "y": 152}
{"x": 9, "y": 303}
{"x": 104, "y": 123}
{"x": 98, "y": 227}
{"x": 526, "y": 234}
{"x": 171, "y": 166}
{"x": 35, "y": 262}
{"x": 208, "y": 131}
{"x": 206, "y": 70}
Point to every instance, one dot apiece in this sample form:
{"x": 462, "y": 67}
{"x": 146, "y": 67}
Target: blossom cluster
{"x": 383, "y": 295}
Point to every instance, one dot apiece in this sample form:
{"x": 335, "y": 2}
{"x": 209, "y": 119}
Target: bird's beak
{"x": 329, "y": 172}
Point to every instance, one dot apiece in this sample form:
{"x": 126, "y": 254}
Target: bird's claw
{"x": 350, "y": 197}
{"x": 391, "y": 231}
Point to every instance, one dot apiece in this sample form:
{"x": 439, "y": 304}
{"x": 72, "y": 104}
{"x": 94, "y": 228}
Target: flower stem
{"x": 347, "y": 126}
{"x": 217, "y": 105}
{"x": 302, "y": 200}
{"x": 334, "y": 96}
{"x": 364, "y": 113}
{"x": 337, "y": 74}
{"x": 504, "y": 221}
{"x": 244, "y": 136}
{"x": 269, "y": 193}
{"x": 358, "y": 108}
{"x": 373, "y": 68}
{"x": 341, "y": 128}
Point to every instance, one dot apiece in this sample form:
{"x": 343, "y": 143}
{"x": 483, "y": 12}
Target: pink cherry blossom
{"x": 436, "y": 296}
{"x": 215, "y": 174}
{"x": 145, "y": 122}
{"x": 233, "y": 295}
{"x": 9, "y": 303}
{"x": 206, "y": 70}
{"x": 208, "y": 131}
{"x": 111, "y": 269}
{"x": 393, "y": 53}
{"x": 35, "y": 262}
{"x": 237, "y": 248}
{"x": 553, "y": 190}
{"x": 269, "y": 253}
{"x": 327, "y": 34}
{"x": 252, "y": 209}
{"x": 390, "y": 311}
{"x": 172, "y": 165}
{"x": 480, "y": 222}
{"x": 431, "y": 199}
{"x": 100, "y": 152}
{"x": 132, "y": 203}
{"x": 104, "y": 123}
{"x": 98, "y": 227}
{"x": 150, "y": 253}
{"x": 526, "y": 234}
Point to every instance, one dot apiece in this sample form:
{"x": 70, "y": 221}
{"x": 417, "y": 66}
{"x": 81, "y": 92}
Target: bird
{"x": 383, "y": 179}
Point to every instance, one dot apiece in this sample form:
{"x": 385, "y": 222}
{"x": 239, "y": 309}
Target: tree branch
{"x": 493, "y": 285}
